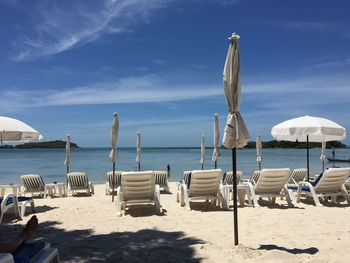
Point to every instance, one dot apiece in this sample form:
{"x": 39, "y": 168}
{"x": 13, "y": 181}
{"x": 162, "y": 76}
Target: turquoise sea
{"x": 95, "y": 162}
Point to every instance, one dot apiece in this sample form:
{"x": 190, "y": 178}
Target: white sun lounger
{"x": 9, "y": 202}
{"x": 44, "y": 255}
{"x": 33, "y": 184}
{"x": 297, "y": 175}
{"x": 138, "y": 188}
{"x": 201, "y": 185}
{"x": 109, "y": 181}
{"x": 271, "y": 184}
{"x": 330, "y": 184}
{"x": 161, "y": 178}
{"x": 78, "y": 181}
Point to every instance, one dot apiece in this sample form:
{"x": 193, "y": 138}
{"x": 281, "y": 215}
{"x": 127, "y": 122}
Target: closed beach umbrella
{"x": 258, "y": 151}
{"x": 16, "y": 130}
{"x": 201, "y": 161}
{"x": 235, "y": 134}
{"x": 323, "y": 154}
{"x": 67, "y": 160}
{"x": 308, "y": 129}
{"x": 216, "y": 152}
{"x": 138, "y": 150}
{"x": 113, "y": 153}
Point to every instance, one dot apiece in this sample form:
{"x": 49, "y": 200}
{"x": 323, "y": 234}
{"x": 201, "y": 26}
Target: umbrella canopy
{"x": 138, "y": 150}
{"x": 315, "y": 128}
{"x": 67, "y": 160}
{"x": 216, "y": 152}
{"x": 308, "y": 128}
{"x": 201, "y": 161}
{"x": 258, "y": 151}
{"x": 235, "y": 134}
{"x": 16, "y": 130}
{"x": 113, "y": 154}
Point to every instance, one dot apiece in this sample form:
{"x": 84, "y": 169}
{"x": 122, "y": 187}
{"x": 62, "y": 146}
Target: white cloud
{"x": 58, "y": 29}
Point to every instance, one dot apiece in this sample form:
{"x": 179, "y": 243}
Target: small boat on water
{"x": 336, "y": 160}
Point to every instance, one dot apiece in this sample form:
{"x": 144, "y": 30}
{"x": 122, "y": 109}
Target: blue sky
{"x": 66, "y": 66}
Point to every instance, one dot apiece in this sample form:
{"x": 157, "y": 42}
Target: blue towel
{"x": 305, "y": 187}
{"x": 26, "y": 251}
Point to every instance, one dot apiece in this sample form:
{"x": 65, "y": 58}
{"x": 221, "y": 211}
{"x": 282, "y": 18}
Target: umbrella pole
{"x": 307, "y": 157}
{"x": 234, "y": 185}
{"x": 216, "y": 165}
{"x": 259, "y": 166}
{"x": 113, "y": 181}
{"x": 139, "y": 167}
{"x": 202, "y": 166}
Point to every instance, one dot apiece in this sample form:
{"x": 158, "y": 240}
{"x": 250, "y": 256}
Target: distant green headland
{"x": 296, "y": 145}
{"x": 32, "y": 145}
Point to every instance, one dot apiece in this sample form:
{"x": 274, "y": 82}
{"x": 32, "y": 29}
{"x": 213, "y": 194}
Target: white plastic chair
{"x": 78, "y": 181}
{"x": 202, "y": 185}
{"x": 297, "y": 175}
{"x": 272, "y": 184}
{"x": 330, "y": 184}
{"x": 9, "y": 202}
{"x": 138, "y": 188}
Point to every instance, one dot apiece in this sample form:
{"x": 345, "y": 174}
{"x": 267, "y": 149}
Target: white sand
{"x": 86, "y": 229}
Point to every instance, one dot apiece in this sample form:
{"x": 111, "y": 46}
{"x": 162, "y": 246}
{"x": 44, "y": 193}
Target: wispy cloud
{"x": 147, "y": 88}
{"x": 60, "y": 28}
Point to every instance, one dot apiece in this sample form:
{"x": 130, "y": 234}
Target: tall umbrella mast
{"x": 216, "y": 152}
{"x": 235, "y": 134}
{"x": 113, "y": 153}
{"x": 201, "y": 161}
{"x": 258, "y": 151}
{"x": 138, "y": 150}
{"x": 67, "y": 160}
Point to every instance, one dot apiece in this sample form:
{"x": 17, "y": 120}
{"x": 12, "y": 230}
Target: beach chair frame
{"x": 79, "y": 181}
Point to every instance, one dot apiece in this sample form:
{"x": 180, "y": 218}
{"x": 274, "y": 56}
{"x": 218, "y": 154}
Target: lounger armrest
{"x": 6, "y": 258}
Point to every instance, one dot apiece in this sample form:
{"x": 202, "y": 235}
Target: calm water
{"x": 95, "y": 162}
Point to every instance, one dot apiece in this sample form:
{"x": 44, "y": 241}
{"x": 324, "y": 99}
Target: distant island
{"x": 296, "y": 145}
{"x": 32, "y": 145}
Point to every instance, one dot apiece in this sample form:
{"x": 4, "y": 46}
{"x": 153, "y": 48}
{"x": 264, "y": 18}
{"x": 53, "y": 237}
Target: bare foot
{"x": 30, "y": 228}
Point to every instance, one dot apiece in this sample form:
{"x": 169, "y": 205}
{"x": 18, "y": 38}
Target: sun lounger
{"x": 271, "y": 184}
{"x": 185, "y": 176}
{"x": 162, "y": 180}
{"x": 329, "y": 184}
{"x": 36, "y": 252}
{"x": 33, "y": 184}
{"x": 254, "y": 178}
{"x": 78, "y": 181}
{"x": 297, "y": 175}
{"x": 109, "y": 181}
{"x": 138, "y": 188}
{"x": 201, "y": 185}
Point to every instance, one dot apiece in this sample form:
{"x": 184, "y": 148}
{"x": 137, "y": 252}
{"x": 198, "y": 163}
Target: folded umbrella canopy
{"x": 201, "y": 160}
{"x": 235, "y": 134}
{"x": 16, "y": 130}
{"x": 308, "y": 129}
{"x": 67, "y": 160}
{"x": 113, "y": 153}
{"x": 258, "y": 151}
{"x": 138, "y": 150}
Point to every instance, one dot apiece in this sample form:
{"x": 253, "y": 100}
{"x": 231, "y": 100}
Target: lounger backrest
{"x": 33, "y": 182}
{"x": 255, "y": 177}
{"x": 78, "y": 180}
{"x": 185, "y": 176}
{"x": 272, "y": 181}
{"x": 332, "y": 180}
{"x": 205, "y": 182}
{"x": 117, "y": 178}
{"x": 138, "y": 186}
{"x": 297, "y": 175}
{"x": 161, "y": 177}
{"x": 229, "y": 178}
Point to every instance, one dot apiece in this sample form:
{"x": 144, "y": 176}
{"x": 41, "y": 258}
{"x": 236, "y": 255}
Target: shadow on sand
{"x": 147, "y": 245}
{"x": 295, "y": 251}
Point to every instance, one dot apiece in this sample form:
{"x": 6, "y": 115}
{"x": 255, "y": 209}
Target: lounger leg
{"x": 314, "y": 196}
{"x": 252, "y": 192}
{"x": 119, "y": 204}
{"x": 187, "y": 199}
{"x": 157, "y": 201}
{"x": 345, "y": 194}
{"x": 289, "y": 196}
{"x": 178, "y": 192}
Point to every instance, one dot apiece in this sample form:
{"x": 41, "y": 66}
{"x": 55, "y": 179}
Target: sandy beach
{"x": 86, "y": 229}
